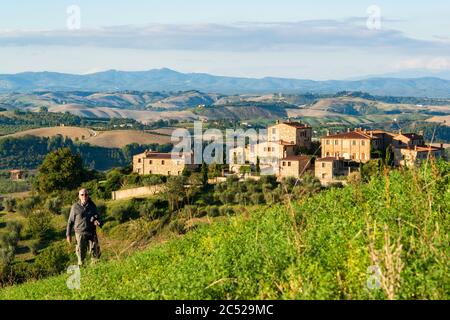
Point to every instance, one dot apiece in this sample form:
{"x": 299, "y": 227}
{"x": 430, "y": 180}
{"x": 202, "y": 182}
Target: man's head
{"x": 83, "y": 196}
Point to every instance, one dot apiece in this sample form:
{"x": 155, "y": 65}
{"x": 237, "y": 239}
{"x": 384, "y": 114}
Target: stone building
{"x": 17, "y": 175}
{"x": 413, "y": 156}
{"x": 295, "y": 166}
{"x": 296, "y": 133}
{"x": 352, "y": 145}
{"x": 333, "y": 169}
{"x": 162, "y": 163}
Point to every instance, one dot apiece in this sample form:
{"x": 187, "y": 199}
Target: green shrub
{"x": 9, "y": 204}
{"x": 53, "y": 205}
{"x": 177, "y": 226}
{"x": 151, "y": 180}
{"x": 257, "y": 198}
{"x": 34, "y": 246}
{"x": 40, "y": 224}
{"x": 65, "y": 212}
{"x": 14, "y": 226}
{"x": 226, "y": 210}
{"x": 123, "y": 211}
{"x": 9, "y": 240}
{"x": 27, "y": 205}
{"x": 53, "y": 259}
{"x": 213, "y": 211}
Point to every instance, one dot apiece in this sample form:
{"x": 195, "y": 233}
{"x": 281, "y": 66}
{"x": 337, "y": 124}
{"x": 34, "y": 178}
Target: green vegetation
{"x": 321, "y": 246}
{"x": 19, "y": 120}
{"x": 29, "y": 152}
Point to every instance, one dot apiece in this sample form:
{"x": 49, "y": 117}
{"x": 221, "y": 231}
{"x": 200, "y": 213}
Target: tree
{"x": 204, "y": 172}
{"x": 258, "y": 167}
{"x": 61, "y": 170}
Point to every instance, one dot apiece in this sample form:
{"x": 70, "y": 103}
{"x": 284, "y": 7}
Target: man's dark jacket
{"x": 82, "y": 218}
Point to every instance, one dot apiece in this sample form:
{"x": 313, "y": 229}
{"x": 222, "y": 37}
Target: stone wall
{"x": 141, "y": 192}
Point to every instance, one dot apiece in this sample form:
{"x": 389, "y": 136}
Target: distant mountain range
{"x": 170, "y": 80}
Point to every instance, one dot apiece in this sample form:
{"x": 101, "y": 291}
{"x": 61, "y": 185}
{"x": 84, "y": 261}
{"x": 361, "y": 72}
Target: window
{"x": 328, "y": 141}
{"x": 328, "y": 154}
{"x": 179, "y": 173}
{"x": 150, "y": 172}
{"x": 324, "y": 175}
{"x": 363, "y": 143}
{"x": 363, "y": 156}
{"x": 139, "y": 160}
{"x": 168, "y": 173}
{"x": 163, "y": 162}
{"x": 324, "y": 164}
{"x": 336, "y": 142}
{"x": 274, "y": 130}
{"x": 284, "y": 163}
{"x": 289, "y": 164}
{"x": 353, "y": 156}
{"x": 354, "y": 142}
{"x": 151, "y": 161}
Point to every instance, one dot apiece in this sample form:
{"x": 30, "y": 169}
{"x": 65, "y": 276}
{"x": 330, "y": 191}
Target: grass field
{"x": 322, "y": 247}
{"x": 71, "y": 132}
{"x": 107, "y": 139}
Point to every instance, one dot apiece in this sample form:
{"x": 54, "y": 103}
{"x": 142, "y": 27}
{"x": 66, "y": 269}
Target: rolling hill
{"x": 107, "y": 139}
{"x": 169, "y": 80}
{"x": 321, "y": 247}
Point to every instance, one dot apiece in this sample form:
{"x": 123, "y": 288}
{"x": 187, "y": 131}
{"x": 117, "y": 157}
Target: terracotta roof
{"x": 349, "y": 135}
{"x": 157, "y": 155}
{"x": 421, "y": 148}
{"x": 297, "y": 125}
{"x": 16, "y": 171}
{"x": 412, "y": 136}
{"x": 285, "y": 143}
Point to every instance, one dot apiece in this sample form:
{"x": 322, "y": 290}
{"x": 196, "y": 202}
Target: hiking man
{"x": 84, "y": 219}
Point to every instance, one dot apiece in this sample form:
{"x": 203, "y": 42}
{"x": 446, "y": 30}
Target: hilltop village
{"x": 288, "y": 152}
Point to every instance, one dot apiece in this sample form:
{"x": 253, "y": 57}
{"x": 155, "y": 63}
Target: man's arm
{"x": 70, "y": 224}
{"x": 99, "y": 222}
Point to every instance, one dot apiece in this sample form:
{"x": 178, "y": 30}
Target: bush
{"x": 34, "y": 246}
{"x": 151, "y": 180}
{"x": 226, "y": 210}
{"x": 213, "y": 211}
{"x": 27, "y": 205}
{"x": 14, "y": 226}
{"x": 6, "y": 262}
{"x": 9, "y": 204}
{"x": 65, "y": 212}
{"x": 53, "y": 205}
{"x": 177, "y": 226}
{"x": 53, "y": 260}
{"x": 9, "y": 240}
{"x": 123, "y": 211}
{"x": 257, "y": 198}
{"x": 149, "y": 210}
{"x": 40, "y": 224}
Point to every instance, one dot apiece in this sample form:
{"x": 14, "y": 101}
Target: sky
{"x": 317, "y": 40}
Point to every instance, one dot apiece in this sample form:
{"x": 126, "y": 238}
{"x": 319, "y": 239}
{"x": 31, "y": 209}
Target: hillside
{"x": 121, "y": 138}
{"x": 106, "y": 139}
{"x": 71, "y": 132}
{"x": 323, "y": 247}
{"x": 169, "y": 80}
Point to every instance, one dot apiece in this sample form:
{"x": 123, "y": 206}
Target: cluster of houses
{"x": 286, "y": 153}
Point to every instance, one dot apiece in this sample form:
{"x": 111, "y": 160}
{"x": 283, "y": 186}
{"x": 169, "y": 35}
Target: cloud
{"x": 331, "y": 34}
{"x": 432, "y": 64}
